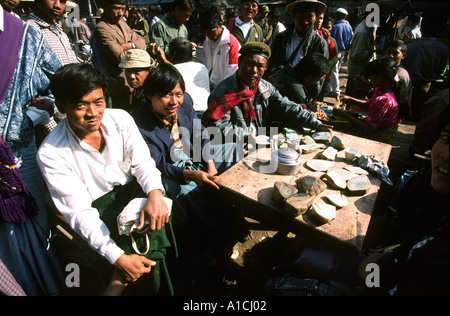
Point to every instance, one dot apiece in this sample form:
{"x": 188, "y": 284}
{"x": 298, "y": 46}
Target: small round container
{"x": 350, "y": 154}
{"x": 288, "y": 161}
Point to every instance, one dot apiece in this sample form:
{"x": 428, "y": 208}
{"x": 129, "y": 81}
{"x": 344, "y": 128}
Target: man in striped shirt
{"x": 45, "y": 18}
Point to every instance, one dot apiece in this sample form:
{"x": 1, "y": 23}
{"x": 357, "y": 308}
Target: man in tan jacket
{"x": 113, "y": 37}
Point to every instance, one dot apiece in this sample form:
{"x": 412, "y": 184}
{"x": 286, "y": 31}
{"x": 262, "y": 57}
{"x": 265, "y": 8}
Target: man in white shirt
{"x": 195, "y": 74}
{"x": 90, "y": 154}
{"x": 220, "y": 47}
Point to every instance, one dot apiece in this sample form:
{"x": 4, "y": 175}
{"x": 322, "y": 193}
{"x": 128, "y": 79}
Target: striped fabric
{"x": 56, "y": 38}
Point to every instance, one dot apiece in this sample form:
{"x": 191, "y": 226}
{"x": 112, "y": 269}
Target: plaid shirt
{"x": 8, "y": 285}
{"x": 56, "y": 38}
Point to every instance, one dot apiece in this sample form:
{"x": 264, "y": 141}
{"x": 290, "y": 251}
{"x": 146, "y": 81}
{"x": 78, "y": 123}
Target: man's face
{"x": 182, "y": 16}
{"x": 52, "y": 9}
{"x": 114, "y": 11}
{"x": 166, "y": 105}
{"x": 328, "y": 25}
{"x": 248, "y": 10}
{"x": 214, "y": 33}
{"x": 311, "y": 81}
{"x": 136, "y": 76}
{"x": 85, "y": 116}
{"x": 319, "y": 21}
{"x": 303, "y": 21}
{"x": 251, "y": 69}
{"x": 394, "y": 53}
{"x": 9, "y": 4}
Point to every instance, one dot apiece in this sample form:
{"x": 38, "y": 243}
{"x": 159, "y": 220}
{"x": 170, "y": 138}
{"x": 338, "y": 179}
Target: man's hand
{"x": 325, "y": 128}
{"x": 157, "y": 52}
{"x": 155, "y": 210}
{"x": 203, "y": 179}
{"x": 132, "y": 267}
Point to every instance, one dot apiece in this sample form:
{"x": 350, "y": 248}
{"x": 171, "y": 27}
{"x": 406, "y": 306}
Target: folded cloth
{"x": 376, "y": 166}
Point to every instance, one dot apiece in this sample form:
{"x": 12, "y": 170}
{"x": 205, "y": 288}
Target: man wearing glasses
{"x": 243, "y": 27}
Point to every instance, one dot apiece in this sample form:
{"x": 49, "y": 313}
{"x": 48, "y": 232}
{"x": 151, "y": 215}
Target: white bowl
{"x": 350, "y": 154}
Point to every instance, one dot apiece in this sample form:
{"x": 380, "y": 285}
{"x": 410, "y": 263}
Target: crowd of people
{"x": 98, "y": 116}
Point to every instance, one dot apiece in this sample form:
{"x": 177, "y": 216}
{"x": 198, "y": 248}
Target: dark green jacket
{"x": 314, "y": 44}
{"x": 255, "y": 34}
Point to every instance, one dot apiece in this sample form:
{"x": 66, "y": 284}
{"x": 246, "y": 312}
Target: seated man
{"x": 137, "y": 64}
{"x": 296, "y": 82}
{"x": 182, "y": 151}
{"x": 244, "y": 102}
{"x": 94, "y": 162}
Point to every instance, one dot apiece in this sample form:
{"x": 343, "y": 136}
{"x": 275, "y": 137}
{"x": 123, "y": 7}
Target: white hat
{"x": 137, "y": 58}
{"x": 342, "y": 10}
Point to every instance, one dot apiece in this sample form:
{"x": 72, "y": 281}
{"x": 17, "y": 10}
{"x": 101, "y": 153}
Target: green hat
{"x": 256, "y": 48}
{"x": 264, "y": 9}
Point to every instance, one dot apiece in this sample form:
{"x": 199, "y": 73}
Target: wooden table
{"x": 253, "y": 191}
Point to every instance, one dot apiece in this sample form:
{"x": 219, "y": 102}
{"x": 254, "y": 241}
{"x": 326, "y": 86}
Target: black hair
{"x": 328, "y": 19}
{"x": 73, "y": 81}
{"x": 414, "y": 19}
{"x": 386, "y": 68}
{"x": 275, "y": 14}
{"x": 163, "y": 79}
{"x": 211, "y": 17}
{"x": 315, "y": 65}
{"x": 398, "y": 43}
{"x": 180, "y": 50}
{"x": 111, "y": 2}
{"x": 184, "y": 5}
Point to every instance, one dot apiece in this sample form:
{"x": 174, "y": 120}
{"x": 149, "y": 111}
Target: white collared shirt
{"x": 76, "y": 174}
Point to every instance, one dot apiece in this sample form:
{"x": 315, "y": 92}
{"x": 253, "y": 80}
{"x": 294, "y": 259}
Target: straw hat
{"x": 321, "y": 7}
{"x": 137, "y": 58}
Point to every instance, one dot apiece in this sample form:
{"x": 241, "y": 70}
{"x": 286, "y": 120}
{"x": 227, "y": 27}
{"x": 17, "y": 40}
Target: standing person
{"x": 27, "y": 62}
{"x": 427, "y": 63}
{"x": 342, "y": 32}
{"x": 244, "y": 102}
{"x": 94, "y": 163}
{"x": 220, "y": 47}
{"x": 332, "y": 50}
{"x": 46, "y": 17}
{"x": 137, "y": 64}
{"x": 274, "y": 21}
{"x": 113, "y": 38}
{"x": 195, "y": 74}
{"x": 383, "y": 119}
{"x": 8, "y": 6}
{"x": 243, "y": 27}
{"x": 362, "y": 51}
{"x": 264, "y": 23}
{"x": 142, "y": 27}
{"x": 172, "y": 24}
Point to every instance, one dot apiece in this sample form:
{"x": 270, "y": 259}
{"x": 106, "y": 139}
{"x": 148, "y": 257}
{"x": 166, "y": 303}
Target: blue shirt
{"x": 342, "y": 32}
